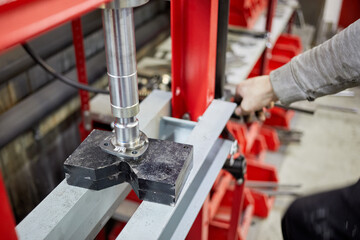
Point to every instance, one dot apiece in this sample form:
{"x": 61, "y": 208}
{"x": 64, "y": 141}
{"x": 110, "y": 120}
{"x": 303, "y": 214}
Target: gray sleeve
{"x": 326, "y": 69}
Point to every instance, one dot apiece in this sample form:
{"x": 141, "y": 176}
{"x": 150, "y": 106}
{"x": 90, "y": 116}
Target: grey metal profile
{"x": 156, "y": 221}
{"x": 70, "y": 212}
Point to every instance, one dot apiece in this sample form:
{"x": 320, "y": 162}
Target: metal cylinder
{"x": 127, "y": 131}
{"x": 121, "y": 65}
{"x": 124, "y": 4}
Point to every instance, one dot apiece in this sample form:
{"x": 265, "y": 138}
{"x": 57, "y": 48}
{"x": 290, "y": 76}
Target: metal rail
{"x": 156, "y": 221}
{"x": 70, "y": 212}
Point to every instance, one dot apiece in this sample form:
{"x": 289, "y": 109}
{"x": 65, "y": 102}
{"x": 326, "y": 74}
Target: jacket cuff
{"x": 285, "y": 86}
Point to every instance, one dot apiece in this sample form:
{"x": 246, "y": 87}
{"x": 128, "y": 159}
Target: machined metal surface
{"x": 108, "y": 145}
{"x": 121, "y": 57}
{"x": 121, "y": 65}
{"x": 157, "y": 175}
{"x": 117, "y": 4}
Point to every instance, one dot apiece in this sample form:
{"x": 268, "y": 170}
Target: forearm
{"x": 326, "y": 69}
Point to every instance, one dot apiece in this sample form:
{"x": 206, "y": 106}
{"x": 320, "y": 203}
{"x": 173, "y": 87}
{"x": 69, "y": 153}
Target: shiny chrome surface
{"x": 117, "y": 4}
{"x": 127, "y": 132}
{"x": 121, "y": 65}
{"x": 121, "y": 56}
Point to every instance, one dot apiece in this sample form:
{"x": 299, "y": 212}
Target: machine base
{"x": 157, "y": 176}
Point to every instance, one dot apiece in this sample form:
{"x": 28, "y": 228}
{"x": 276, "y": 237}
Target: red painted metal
{"x": 200, "y": 228}
{"x": 245, "y": 13}
{"x": 219, "y": 188}
{"x": 133, "y": 197}
{"x": 286, "y": 47}
{"x": 233, "y": 215}
{"x": 248, "y": 212}
{"x": 254, "y": 139}
{"x": 116, "y": 229}
{"x": 7, "y": 226}
{"x": 261, "y": 172}
{"x": 269, "y": 17}
{"x": 271, "y": 138}
{"x": 279, "y": 117}
{"x": 349, "y": 12}
{"x": 194, "y": 36}
{"x": 85, "y": 126}
{"x": 25, "y": 19}
{"x": 236, "y": 210}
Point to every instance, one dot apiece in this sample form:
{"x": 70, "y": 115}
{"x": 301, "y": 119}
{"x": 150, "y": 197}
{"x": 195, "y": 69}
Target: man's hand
{"x": 256, "y": 93}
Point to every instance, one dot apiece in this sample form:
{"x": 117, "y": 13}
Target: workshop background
{"x": 40, "y": 116}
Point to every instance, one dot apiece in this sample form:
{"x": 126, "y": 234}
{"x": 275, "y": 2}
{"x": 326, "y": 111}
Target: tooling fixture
{"x": 156, "y": 169}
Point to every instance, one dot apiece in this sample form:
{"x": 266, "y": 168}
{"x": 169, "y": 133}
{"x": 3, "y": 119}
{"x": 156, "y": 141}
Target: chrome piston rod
{"x": 120, "y": 46}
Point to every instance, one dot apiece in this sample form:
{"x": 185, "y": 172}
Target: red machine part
{"x": 85, "y": 126}
{"x": 115, "y": 231}
{"x": 194, "y": 36}
{"x": 286, "y": 47}
{"x": 7, "y": 226}
{"x": 258, "y": 171}
{"x": 221, "y": 215}
{"x": 220, "y": 225}
{"x": 254, "y": 140}
{"x": 349, "y": 12}
{"x": 245, "y": 13}
{"x": 24, "y": 19}
{"x": 200, "y": 228}
{"x": 279, "y": 117}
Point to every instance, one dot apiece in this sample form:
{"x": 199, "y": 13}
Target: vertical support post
{"x": 269, "y": 18}
{"x": 194, "y": 36}
{"x": 222, "y": 32}
{"x": 7, "y": 226}
{"x": 236, "y": 210}
{"x": 200, "y": 228}
{"x": 86, "y": 123}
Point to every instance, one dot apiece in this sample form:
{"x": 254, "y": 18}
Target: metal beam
{"x": 75, "y": 213}
{"x": 156, "y": 221}
{"x": 70, "y": 212}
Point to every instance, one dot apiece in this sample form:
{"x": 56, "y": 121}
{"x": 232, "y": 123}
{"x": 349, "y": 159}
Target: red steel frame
{"x": 7, "y": 226}
{"x": 82, "y": 77}
{"x": 194, "y": 36}
{"x": 22, "y": 20}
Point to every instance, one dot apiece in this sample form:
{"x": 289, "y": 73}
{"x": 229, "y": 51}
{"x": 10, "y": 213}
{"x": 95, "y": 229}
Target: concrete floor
{"x": 327, "y": 157}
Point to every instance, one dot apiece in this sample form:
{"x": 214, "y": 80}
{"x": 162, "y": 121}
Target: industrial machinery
{"x": 164, "y": 158}
{"x": 139, "y": 151}
{"x": 156, "y": 169}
